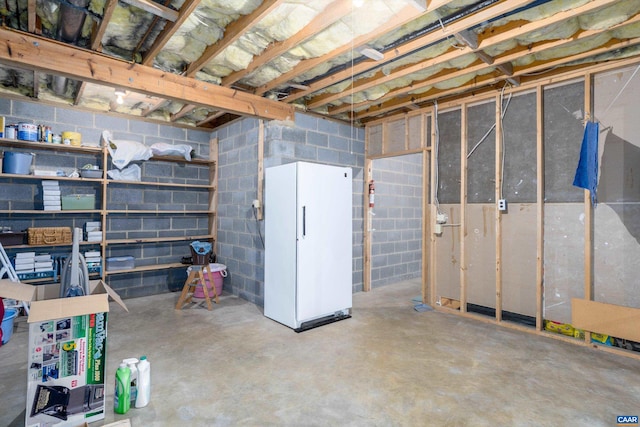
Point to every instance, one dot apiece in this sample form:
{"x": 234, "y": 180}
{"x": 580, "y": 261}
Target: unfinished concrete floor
{"x": 389, "y": 365}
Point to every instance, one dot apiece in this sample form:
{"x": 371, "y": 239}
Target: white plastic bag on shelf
{"x": 131, "y": 173}
{"x": 123, "y": 152}
{"x": 164, "y": 149}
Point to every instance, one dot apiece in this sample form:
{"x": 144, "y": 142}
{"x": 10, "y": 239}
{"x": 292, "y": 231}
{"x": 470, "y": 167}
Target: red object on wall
{"x": 372, "y": 193}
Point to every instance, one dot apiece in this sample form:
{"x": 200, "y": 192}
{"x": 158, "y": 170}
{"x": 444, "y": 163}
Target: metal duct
{"x": 70, "y": 23}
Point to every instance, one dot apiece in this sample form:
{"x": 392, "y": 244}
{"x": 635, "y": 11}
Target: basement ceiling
{"x": 202, "y": 63}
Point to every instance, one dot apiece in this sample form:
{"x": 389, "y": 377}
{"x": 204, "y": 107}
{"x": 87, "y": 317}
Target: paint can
{"x": 11, "y": 131}
{"x": 27, "y": 132}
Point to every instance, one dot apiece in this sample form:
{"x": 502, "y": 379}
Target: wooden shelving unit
{"x": 102, "y": 186}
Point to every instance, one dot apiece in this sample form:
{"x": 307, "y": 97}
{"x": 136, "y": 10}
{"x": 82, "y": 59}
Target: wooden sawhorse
{"x": 196, "y": 278}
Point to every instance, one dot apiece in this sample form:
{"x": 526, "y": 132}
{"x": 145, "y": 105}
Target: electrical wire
{"x": 436, "y": 147}
{"x": 504, "y": 109}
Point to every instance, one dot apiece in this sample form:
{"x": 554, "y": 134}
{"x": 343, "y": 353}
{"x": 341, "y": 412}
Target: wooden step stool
{"x": 196, "y": 278}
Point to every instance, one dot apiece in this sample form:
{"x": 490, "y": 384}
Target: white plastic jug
{"x": 144, "y": 383}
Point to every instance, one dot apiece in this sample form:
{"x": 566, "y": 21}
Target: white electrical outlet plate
{"x": 502, "y": 205}
{"x": 437, "y": 229}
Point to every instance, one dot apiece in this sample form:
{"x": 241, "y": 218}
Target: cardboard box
{"x": 66, "y": 359}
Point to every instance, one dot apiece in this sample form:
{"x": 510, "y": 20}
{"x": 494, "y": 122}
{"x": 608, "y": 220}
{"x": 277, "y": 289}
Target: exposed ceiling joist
{"x": 96, "y": 36}
{"x": 31, "y": 16}
{"x": 488, "y": 79}
{"x": 405, "y": 49}
{"x": 404, "y": 16}
{"x": 154, "y": 8}
{"x": 453, "y": 54}
{"x": 333, "y": 12}
{"x": 24, "y": 50}
{"x": 183, "y": 112}
{"x": 233, "y": 33}
{"x": 169, "y": 30}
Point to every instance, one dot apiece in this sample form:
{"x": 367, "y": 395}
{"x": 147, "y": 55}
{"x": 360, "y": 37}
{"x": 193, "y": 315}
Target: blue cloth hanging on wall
{"x": 587, "y": 170}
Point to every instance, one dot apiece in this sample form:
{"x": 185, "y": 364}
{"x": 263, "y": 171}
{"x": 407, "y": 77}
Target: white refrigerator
{"x": 308, "y": 244}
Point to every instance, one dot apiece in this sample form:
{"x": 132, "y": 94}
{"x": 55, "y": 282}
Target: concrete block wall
{"x": 26, "y": 194}
{"x": 309, "y": 138}
{"x": 396, "y": 249}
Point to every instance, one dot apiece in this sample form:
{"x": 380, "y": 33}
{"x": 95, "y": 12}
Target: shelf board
{"x": 37, "y": 212}
{"x": 148, "y": 212}
{"x": 157, "y": 239}
{"x": 49, "y": 178}
{"x": 162, "y": 184}
{"x": 147, "y": 268}
{"x": 16, "y": 143}
{"x": 49, "y": 246}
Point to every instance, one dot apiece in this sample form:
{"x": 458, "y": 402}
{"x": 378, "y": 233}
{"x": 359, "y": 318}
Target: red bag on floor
{"x": 1, "y": 317}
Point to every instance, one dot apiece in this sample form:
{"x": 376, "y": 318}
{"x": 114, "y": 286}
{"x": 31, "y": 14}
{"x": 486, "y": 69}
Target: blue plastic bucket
{"x": 7, "y": 324}
{"x": 17, "y": 163}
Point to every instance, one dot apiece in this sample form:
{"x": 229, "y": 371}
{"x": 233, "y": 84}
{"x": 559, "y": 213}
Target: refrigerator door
{"x": 280, "y": 244}
{"x": 324, "y": 239}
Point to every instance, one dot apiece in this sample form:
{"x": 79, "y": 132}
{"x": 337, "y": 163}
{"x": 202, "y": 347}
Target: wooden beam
{"x": 158, "y": 104}
{"x": 232, "y": 32}
{"x": 462, "y": 237}
{"x": 539, "y": 209}
{"x": 210, "y": 118}
{"x": 31, "y": 16}
{"x": 96, "y": 36}
{"x": 186, "y": 109}
{"x": 36, "y": 85}
{"x": 380, "y": 78}
{"x": 154, "y": 8}
{"x": 213, "y": 195}
{"x": 405, "y": 49}
{"x": 169, "y": 30}
{"x": 395, "y": 99}
{"x": 332, "y": 13}
{"x": 499, "y": 147}
{"x": 260, "y": 189}
{"x": 29, "y": 51}
{"x": 404, "y": 16}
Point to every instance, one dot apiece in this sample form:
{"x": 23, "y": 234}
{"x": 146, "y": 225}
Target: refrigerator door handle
{"x": 304, "y": 221}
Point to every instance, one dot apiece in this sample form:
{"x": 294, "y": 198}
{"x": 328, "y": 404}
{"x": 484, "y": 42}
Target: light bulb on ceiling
{"x": 358, "y": 3}
{"x": 120, "y": 96}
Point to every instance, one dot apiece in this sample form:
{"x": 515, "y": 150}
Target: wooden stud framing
{"x": 539, "y": 209}
{"x": 213, "y": 195}
{"x": 588, "y": 209}
{"x": 498, "y": 213}
{"x": 430, "y": 240}
{"x": 260, "y": 194}
{"x": 433, "y": 211}
{"x": 588, "y": 215}
{"x": 19, "y": 49}
{"x": 463, "y": 208}
{"x": 425, "y": 211}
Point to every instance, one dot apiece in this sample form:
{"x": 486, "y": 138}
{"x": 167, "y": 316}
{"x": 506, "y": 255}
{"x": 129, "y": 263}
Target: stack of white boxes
{"x": 25, "y": 262}
{"x": 93, "y": 231}
{"x": 43, "y": 262}
{"x": 51, "y": 196}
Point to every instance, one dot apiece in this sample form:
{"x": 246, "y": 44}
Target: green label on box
{"x": 79, "y": 327}
{"x": 96, "y": 348}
